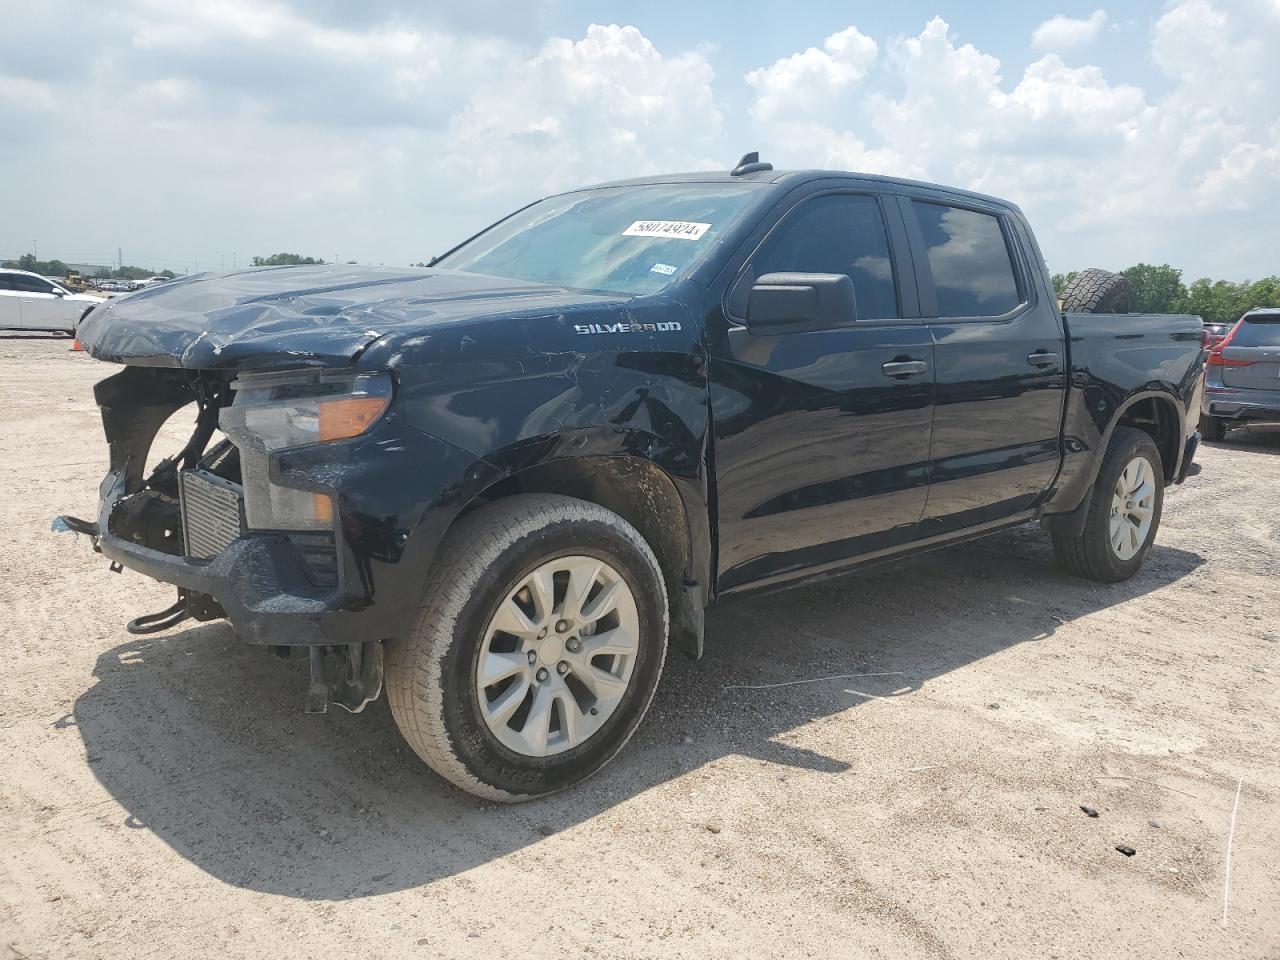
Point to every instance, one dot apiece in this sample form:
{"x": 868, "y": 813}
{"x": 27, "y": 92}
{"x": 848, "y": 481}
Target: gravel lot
{"x": 166, "y": 797}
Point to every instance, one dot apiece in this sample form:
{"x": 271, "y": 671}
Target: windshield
{"x": 633, "y": 240}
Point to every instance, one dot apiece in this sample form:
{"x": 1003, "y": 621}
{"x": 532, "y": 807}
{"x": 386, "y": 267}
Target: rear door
{"x": 10, "y": 303}
{"x": 821, "y": 443}
{"x": 1251, "y": 357}
{"x": 999, "y": 358}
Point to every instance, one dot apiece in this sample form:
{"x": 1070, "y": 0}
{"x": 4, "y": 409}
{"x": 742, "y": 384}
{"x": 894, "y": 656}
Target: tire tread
{"x": 1096, "y": 291}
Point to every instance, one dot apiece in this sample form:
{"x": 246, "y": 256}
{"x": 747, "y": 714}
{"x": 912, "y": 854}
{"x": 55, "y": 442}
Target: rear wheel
{"x": 1096, "y": 291}
{"x": 1124, "y": 512}
{"x": 1212, "y": 428}
{"x": 541, "y": 638}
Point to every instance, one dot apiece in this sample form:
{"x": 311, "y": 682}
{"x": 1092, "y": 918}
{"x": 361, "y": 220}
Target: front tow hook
{"x": 170, "y": 616}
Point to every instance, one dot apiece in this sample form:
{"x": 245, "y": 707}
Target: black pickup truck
{"x": 509, "y": 478}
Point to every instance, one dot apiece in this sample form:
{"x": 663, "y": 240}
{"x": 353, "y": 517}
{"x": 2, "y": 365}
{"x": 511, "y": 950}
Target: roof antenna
{"x": 750, "y": 163}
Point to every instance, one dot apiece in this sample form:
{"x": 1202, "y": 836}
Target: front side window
{"x": 27, "y": 284}
{"x": 632, "y": 240}
{"x": 972, "y": 273}
{"x": 836, "y": 233}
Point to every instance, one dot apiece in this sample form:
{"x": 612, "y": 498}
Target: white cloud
{"x": 22, "y": 93}
{"x": 605, "y": 106}
{"x": 387, "y": 131}
{"x": 252, "y": 127}
{"x": 1062, "y": 33}
{"x": 1109, "y": 173}
{"x": 808, "y": 81}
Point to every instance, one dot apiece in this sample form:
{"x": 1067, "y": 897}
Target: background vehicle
{"x": 28, "y": 301}
{"x": 1242, "y": 375}
{"x": 522, "y": 469}
{"x": 114, "y": 286}
{"x": 1215, "y": 333}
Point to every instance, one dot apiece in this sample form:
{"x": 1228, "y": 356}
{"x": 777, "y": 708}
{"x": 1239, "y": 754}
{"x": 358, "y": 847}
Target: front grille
{"x": 212, "y": 513}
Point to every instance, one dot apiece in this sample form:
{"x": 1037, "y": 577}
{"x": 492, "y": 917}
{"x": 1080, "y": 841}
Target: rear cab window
{"x": 969, "y": 257}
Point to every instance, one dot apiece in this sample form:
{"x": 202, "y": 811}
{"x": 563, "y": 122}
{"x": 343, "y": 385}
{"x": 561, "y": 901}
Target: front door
{"x": 821, "y": 442}
{"x": 42, "y": 309}
{"x": 1000, "y": 360}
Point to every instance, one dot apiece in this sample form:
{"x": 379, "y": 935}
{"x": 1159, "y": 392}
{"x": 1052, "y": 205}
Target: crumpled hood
{"x": 323, "y": 315}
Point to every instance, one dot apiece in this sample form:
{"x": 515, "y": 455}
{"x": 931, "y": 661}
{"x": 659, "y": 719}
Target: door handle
{"x": 1043, "y": 358}
{"x": 901, "y": 369}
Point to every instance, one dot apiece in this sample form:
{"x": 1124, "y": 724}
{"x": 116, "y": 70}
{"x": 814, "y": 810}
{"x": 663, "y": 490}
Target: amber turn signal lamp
{"x": 350, "y": 416}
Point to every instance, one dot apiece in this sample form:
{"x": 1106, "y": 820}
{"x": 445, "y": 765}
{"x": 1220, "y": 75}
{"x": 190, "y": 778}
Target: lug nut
{"x": 574, "y": 645}
{"x": 542, "y": 634}
{"x": 533, "y": 658}
{"x": 562, "y": 626}
{"x": 562, "y": 668}
{"x": 542, "y": 674}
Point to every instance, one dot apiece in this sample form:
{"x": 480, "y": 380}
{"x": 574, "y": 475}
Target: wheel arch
{"x": 665, "y": 509}
{"x": 1158, "y": 414}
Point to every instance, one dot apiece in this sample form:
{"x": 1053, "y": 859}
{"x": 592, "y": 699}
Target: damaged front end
{"x": 271, "y": 525}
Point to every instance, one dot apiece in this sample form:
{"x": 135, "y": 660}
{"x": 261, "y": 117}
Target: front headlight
{"x": 277, "y": 411}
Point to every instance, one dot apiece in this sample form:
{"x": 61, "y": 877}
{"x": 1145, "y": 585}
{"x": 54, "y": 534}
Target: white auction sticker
{"x": 667, "y": 229}
{"x": 665, "y": 269}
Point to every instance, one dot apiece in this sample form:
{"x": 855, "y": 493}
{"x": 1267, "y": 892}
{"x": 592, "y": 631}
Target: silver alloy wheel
{"x": 1132, "y": 507}
{"x": 557, "y": 656}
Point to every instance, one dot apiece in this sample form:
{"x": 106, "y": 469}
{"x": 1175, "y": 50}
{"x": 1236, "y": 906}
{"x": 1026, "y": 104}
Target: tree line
{"x": 56, "y": 268}
{"x": 1161, "y": 290}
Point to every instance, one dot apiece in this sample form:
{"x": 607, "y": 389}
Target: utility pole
{"x": 35, "y": 245}
{"x": 119, "y": 260}
{"x": 233, "y": 259}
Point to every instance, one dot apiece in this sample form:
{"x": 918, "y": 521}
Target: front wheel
{"x": 1124, "y": 512}
{"x": 541, "y": 638}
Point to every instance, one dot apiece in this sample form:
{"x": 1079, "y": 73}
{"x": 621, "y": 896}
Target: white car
{"x": 28, "y": 301}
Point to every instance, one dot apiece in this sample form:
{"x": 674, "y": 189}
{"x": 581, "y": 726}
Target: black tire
{"x": 1096, "y": 291}
{"x": 1212, "y": 429}
{"x": 1091, "y": 554}
{"x": 431, "y": 674}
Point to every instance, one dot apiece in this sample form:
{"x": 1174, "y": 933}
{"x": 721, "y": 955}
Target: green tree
{"x": 28, "y": 262}
{"x": 1060, "y": 280}
{"x": 1155, "y": 289}
{"x": 284, "y": 260}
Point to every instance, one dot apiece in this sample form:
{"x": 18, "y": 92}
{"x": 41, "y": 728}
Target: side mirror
{"x": 58, "y": 292}
{"x": 798, "y": 302}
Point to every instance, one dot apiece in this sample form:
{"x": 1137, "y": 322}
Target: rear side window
{"x": 1258, "y": 333}
{"x": 972, "y": 273}
{"x": 836, "y": 233}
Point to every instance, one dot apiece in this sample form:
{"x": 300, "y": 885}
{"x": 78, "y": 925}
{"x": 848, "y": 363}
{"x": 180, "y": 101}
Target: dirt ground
{"x": 166, "y": 796}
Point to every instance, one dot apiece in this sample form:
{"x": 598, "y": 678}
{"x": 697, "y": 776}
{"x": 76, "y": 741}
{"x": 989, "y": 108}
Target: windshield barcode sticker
{"x": 667, "y": 229}
{"x": 665, "y": 269}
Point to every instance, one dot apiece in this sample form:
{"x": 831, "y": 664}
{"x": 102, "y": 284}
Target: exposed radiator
{"x": 212, "y": 513}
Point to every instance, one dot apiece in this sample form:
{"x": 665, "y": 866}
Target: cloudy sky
{"x": 185, "y": 133}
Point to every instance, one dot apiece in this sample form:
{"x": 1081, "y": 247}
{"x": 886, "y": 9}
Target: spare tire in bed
{"x": 1096, "y": 291}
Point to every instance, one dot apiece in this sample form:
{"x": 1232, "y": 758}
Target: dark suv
{"x": 1242, "y": 375}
